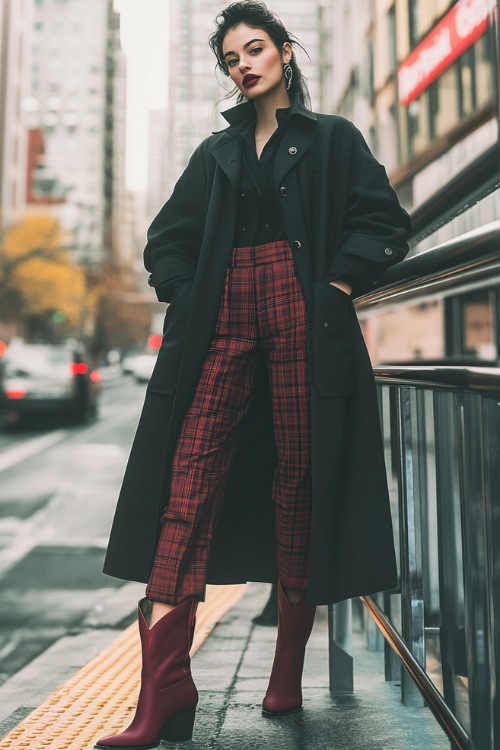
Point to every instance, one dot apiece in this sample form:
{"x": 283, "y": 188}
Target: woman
{"x": 258, "y": 455}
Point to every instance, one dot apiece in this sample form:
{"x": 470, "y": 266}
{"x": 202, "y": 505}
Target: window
{"x": 433, "y": 97}
{"x": 464, "y": 88}
{"x": 371, "y": 73}
{"x": 466, "y": 80}
{"x": 413, "y": 22}
{"x": 412, "y": 125}
{"x": 393, "y": 117}
{"x": 477, "y": 325}
{"x": 470, "y": 325}
{"x": 391, "y": 29}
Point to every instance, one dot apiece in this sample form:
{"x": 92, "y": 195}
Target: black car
{"x": 45, "y": 380}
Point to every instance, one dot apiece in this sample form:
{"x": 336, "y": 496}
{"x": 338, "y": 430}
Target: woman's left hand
{"x": 342, "y": 286}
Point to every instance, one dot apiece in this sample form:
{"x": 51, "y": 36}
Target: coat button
{"x": 388, "y": 251}
{"x": 150, "y": 279}
{"x": 292, "y": 150}
{"x": 283, "y": 191}
{"x": 297, "y": 244}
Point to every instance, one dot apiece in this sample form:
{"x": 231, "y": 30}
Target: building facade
{"x": 197, "y": 95}
{"x": 157, "y": 161}
{"x": 120, "y": 241}
{"x": 429, "y": 111}
{"x": 15, "y": 33}
{"x": 77, "y": 100}
{"x": 351, "y": 77}
{"x": 437, "y": 87}
{"x": 417, "y": 77}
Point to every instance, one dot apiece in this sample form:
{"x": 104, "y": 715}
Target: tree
{"x": 37, "y": 275}
{"x": 123, "y": 313}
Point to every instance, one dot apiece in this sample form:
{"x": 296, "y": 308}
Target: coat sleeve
{"x": 175, "y": 235}
{"x": 376, "y": 227}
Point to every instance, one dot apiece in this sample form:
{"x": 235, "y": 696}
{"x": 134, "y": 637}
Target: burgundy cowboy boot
{"x": 284, "y": 693}
{"x": 168, "y": 696}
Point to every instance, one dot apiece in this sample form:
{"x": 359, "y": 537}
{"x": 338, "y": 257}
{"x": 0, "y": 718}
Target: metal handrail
{"x": 474, "y": 253}
{"x": 486, "y": 379}
{"x": 462, "y": 431}
{"x": 462, "y": 406}
{"x": 447, "y": 720}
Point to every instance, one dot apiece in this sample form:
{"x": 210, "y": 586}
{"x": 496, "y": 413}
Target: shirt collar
{"x": 247, "y": 128}
{"x": 245, "y": 112}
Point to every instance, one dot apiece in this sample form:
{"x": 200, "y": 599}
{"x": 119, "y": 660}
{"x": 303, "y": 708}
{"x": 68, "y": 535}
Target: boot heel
{"x": 180, "y": 729}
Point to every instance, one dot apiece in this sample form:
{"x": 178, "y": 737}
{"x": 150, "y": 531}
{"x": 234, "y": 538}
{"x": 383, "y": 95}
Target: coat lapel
{"x": 292, "y": 148}
{"x": 294, "y": 145}
{"x": 229, "y": 158}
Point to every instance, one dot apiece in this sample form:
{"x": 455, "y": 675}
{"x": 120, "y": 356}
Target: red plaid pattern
{"x": 262, "y": 314}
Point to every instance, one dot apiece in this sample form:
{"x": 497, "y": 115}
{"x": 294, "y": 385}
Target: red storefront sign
{"x": 459, "y": 28}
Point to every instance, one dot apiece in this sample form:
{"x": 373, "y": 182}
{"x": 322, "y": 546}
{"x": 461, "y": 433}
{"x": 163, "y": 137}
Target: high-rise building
{"x": 196, "y": 96}
{"x": 157, "y": 161}
{"x": 116, "y": 200}
{"x": 77, "y": 101}
{"x": 15, "y": 31}
{"x": 351, "y": 51}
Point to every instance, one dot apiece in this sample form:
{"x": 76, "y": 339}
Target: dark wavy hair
{"x": 257, "y": 15}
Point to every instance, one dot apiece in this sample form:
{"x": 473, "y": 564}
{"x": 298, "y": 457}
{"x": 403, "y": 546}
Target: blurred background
{"x": 101, "y": 104}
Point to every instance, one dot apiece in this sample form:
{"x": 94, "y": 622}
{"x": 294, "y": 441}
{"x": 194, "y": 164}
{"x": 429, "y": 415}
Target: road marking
{"x": 98, "y": 699}
{"x": 31, "y": 448}
{"x": 103, "y": 451}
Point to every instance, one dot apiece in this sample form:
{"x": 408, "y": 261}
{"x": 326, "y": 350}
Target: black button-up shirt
{"x": 259, "y": 219}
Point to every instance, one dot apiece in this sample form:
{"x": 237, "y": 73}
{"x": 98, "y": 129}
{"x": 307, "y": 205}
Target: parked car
{"x": 47, "y": 380}
{"x": 128, "y": 362}
{"x": 142, "y": 367}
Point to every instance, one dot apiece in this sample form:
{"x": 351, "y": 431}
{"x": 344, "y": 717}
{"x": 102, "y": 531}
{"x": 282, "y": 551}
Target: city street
{"x": 58, "y": 489}
{"x": 336, "y": 174}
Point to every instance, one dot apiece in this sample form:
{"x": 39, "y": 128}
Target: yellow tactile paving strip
{"x": 100, "y": 698}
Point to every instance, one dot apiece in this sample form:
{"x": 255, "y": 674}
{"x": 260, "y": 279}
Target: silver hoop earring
{"x": 288, "y": 73}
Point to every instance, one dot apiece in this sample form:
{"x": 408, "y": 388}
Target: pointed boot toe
{"x": 168, "y": 697}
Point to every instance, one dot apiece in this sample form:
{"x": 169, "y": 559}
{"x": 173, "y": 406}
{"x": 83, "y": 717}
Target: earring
{"x": 288, "y": 73}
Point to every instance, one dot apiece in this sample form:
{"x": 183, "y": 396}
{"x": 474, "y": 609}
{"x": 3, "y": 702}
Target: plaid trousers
{"x": 262, "y": 314}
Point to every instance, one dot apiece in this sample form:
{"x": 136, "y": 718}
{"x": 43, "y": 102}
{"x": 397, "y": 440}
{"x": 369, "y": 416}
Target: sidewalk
{"x": 231, "y": 669}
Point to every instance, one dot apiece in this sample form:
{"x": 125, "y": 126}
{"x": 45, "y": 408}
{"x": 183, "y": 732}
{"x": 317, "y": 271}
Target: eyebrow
{"x": 245, "y": 46}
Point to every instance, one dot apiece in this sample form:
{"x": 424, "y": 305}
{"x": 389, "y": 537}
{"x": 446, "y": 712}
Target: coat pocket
{"x": 166, "y": 370}
{"x": 332, "y": 344}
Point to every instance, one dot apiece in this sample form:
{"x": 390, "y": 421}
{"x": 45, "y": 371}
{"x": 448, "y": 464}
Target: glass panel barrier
{"x": 441, "y": 430}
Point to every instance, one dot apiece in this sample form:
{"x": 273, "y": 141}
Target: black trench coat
{"x": 335, "y": 199}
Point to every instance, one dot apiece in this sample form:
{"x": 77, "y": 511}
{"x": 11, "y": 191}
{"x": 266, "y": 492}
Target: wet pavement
{"x": 58, "y": 491}
{"x": 231, "y": 671}
{"x": 232, "y": 668}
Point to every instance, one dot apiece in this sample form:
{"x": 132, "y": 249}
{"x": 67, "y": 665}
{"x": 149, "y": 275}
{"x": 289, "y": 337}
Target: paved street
{"x": 58, "y": 489}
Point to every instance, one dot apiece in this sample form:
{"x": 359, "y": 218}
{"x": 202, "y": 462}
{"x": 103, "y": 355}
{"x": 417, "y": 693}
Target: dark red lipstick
{"x": 250, "y": 80}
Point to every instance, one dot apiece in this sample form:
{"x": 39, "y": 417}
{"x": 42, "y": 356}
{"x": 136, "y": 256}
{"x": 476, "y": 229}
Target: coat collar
{"x": 242, "y": 113}
{"x": 293, "y": 146}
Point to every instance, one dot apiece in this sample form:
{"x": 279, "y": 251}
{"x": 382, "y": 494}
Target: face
{"x": 253, "y": 60}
